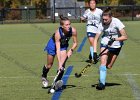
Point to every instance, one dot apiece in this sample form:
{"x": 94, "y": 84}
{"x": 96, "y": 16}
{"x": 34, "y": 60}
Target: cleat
{"x": 58, "y": 84}
{"x": 100, "y": 86}
{"x": 90, "y": 61}
{"x": 44, "y": 82}
{"x": 90, "y": 57}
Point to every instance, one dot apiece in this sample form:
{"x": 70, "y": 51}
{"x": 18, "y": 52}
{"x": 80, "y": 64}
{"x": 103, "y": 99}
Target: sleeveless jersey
{"x": 64, "y": 38}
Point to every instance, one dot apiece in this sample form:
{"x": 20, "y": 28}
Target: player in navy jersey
{"x": 58, "y": 45}
{"x": 93, "y": 17}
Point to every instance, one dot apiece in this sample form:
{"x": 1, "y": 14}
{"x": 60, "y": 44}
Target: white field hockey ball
{"x": 52, "y": 91}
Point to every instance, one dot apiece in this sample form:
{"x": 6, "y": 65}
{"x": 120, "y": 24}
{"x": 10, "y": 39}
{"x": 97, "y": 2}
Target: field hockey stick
{"x": 98, "y": 57}
{"x": 57, "y": 76}
{"x": 89, "y": 65}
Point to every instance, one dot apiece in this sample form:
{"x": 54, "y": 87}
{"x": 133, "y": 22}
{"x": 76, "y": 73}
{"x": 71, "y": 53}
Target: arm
{"x": 123, "y": 36}
{"x": 83, "y": 19}
{"x": 122, "y": 32}
{"x": 75, "y": 42}
{"x": 57, "y": 41}
{"x": 84, "y": 16}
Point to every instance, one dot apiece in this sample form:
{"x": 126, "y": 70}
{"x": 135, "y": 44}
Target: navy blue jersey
{"x": 64, "y": 39}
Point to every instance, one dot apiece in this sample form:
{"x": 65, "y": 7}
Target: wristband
{"x": 71, "y": 50}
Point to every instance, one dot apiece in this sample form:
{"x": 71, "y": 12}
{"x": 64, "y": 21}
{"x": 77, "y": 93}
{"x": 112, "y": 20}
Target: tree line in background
{"x": 42, "y": 12}
{"x": 18, "y": 3}
{"x": 16, "y": 14}
{"x": 117, "y": 2}
{"x": 42, "y": 3}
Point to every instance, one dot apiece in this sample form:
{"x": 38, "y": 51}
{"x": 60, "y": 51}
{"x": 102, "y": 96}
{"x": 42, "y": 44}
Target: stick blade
{"x": 77, "y": 75}
{"x": 49, "y": 90}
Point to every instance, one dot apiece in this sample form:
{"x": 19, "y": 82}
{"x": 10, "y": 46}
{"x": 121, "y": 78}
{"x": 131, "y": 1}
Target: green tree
{"x": 3, "y": 2}
{"x": 137, "y": 2}
{"x": 113, "y": 2}
{"x": 126, "y": 2}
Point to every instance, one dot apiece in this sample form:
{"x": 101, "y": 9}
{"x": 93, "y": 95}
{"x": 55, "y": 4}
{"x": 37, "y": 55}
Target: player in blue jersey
{"x": 93, "y": 17}
{"x": 58, "y": 45}
{"x": 113, "y": 35}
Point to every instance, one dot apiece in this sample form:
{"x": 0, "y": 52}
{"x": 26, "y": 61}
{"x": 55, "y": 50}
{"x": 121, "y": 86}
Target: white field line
{"x": 28, "y": 77}
{"x": 135, "y": 88}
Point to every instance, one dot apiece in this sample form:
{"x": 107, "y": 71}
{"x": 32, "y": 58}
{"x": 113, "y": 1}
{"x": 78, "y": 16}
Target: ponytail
{"x": 62, "y": 19}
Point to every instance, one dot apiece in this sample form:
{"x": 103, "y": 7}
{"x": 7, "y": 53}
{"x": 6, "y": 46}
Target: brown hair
{"x": 107, "y": 12}
{"x": 62, "y": 19}
{"x": 92, "y": 0}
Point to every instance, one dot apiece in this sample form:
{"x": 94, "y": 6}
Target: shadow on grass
{"x": 107, "y": 84}
{"x": 68, "y": 86}
{"x": 63, "y": 87}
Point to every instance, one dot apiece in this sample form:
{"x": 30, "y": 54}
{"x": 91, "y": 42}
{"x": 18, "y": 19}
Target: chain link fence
{"x": 47, "y": 15}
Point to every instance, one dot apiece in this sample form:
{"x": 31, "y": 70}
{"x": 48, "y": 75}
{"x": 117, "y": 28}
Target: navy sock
{"x": 45, "y": 71}
{"x": 61, "y": 74}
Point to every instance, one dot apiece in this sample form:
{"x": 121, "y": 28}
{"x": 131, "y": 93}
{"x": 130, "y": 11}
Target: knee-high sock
{"x": 60, "y": 74}
{"x": 102, "y": 74}
{"x": 45, "y": 71}
{"x": 92, "y": 51}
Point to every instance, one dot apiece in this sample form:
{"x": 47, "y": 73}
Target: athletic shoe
{"x": 58, "y": 84}
{"x": 90, "y": 61}
{"x": 89, "y": 58}
{"x": 44, "y": 82}
{"x": 100, "y": 86}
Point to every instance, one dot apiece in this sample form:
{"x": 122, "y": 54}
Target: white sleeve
{"x": 85, "y": 15}
{"x": 119, "y": 24}
{"x": 101, "y": 12}
{"x": 100, "y": 29}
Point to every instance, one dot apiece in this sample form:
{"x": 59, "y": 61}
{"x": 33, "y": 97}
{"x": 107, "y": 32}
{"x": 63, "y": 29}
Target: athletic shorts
{"x": 90, "y": 34}
{"x": 50, "y": 48}
{"x": 114, "y": 51}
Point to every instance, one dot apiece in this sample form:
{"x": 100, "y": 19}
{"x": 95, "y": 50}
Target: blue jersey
{"x": 64, "y": 39}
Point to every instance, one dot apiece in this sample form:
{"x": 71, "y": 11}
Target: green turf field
{"x": 22, "y": 58}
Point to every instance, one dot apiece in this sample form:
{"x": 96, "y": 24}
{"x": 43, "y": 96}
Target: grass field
{"x": 22, "y": 58}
